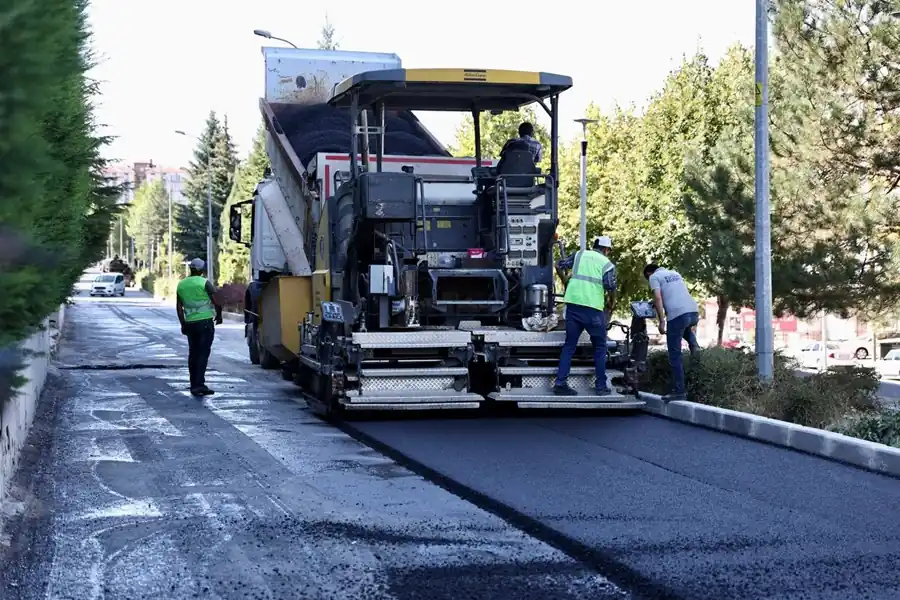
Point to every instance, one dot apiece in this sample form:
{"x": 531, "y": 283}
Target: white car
{"x": 889, "y": 366}
{"x": 811, "y": 355}
{"x": 108, "y": 284}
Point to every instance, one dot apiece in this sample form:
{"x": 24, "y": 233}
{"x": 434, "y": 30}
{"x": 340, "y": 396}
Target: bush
{"x": 160, "y": 287}
{"x": 728, "y": 379}
{"x": 231, "y": 297}
{"x": 882, "y": 427}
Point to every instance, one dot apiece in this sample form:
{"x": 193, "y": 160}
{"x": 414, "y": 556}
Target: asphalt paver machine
{"x": 425, "y": 281}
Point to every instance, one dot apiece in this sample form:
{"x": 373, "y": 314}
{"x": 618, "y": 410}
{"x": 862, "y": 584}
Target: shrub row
{"x": 842, "y": 399}
{"x": 231, "y": 295}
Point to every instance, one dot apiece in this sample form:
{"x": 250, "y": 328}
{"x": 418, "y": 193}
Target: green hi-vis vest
{"x": 586, "y": 284}
{"x": 196, "y": 302}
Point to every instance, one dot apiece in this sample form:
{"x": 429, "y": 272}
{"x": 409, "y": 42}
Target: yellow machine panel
{"x": 284, "y": 303}
{"x": 321, "y": 277}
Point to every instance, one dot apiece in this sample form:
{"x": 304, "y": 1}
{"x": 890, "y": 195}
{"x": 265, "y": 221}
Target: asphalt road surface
{"x": 131, "y": 488}
{"x": 136, "y": 490}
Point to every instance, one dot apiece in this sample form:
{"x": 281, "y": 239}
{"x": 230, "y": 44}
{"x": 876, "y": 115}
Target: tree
{"x": 327, "y": 41}
{"x": 213, "y": 167}
{"x": 496, "y": 130}
{"x": 147, "y": 217}
{"x": 51, "y": 190}
{"x": 636, "y": 185}
{"x": 234, "y": 258}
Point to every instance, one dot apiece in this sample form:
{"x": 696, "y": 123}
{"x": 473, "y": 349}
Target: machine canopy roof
{"x": 458, "y": 90}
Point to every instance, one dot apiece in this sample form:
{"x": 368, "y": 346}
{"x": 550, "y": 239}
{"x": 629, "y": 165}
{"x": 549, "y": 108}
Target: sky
{"x": 164, "y": 68}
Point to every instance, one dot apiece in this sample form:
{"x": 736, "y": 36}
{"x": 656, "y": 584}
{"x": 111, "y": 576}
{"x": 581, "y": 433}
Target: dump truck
{"x": 388, "y": 274}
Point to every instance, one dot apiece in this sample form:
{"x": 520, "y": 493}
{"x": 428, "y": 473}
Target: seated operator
{"x": 526, "y": 136}
{"x": 591, "y": 282}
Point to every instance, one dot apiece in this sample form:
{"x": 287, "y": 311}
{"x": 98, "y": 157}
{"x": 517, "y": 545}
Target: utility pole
{"x": 210, "y": 272}
{"x": 171, "y": 255}
{"x": 765, "y": 343}
{"x": 582, "y": 231}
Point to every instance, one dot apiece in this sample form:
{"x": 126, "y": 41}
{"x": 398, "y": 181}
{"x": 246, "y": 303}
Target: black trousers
{"x": 200, "y": 335}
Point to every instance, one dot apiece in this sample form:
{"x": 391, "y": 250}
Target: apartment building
{"x": 132, "y": 175}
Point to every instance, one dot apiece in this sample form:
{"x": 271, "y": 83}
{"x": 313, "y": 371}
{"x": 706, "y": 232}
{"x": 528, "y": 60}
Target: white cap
{"x": 602, "y": 241}
{"x": 197, "y": 264}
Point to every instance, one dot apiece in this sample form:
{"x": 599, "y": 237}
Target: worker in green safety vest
{"x": 197, "y": 310}
{"x": 590, "y": 299}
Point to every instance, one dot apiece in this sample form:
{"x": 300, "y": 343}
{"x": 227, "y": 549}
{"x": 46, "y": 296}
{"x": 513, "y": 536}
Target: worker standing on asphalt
{"x": 197, "y": 309}
{"x": 678, "y": 314}
{"x": 591, "y": 283}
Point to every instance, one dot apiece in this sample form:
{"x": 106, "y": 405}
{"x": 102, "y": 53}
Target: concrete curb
{"x": 818, "y": 442}
{"x": 18, "y": 414}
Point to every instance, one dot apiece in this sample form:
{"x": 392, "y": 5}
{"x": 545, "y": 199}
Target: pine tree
{"x": 192, "y": 219}
{"x": 234, "y": 257}
{"x": 327, "y": 41}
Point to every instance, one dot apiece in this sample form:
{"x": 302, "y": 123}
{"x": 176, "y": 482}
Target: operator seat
{"x": 516, "y": 162}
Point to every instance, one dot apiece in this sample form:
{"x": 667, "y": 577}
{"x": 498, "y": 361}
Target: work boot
{"x": 564, "y": 390}
{"x": 674, "y": 397}
{"x": 206, "y": 391}
{"x": 197, "y": 392}
{"x": 602, "y": 391}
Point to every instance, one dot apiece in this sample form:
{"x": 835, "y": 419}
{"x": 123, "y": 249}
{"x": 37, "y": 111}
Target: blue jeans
{"x": 578, "y": 319}
{"x": 679, "y": 329}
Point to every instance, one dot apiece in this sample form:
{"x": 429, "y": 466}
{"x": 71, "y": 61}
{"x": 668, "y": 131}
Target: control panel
{"x": 643, "y": 310}
{"x": 523, "y": 240}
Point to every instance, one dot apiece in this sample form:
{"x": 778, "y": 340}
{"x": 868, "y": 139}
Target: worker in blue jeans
{"x": 678, "y": 315}
{"x": 592, "y": 282}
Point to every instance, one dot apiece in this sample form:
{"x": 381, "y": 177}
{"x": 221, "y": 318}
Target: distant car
{"x": 109, "y": 284}
{"x": 889, "y": 366}
{"x": 811, "y": 355}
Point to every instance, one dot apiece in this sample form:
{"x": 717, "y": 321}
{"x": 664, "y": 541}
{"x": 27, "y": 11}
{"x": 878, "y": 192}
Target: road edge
{"x": 836, "y": 447}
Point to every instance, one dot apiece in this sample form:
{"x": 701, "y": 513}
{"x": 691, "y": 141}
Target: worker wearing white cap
{"x": 197, "y": 309}
{"x": 590, "y": 299}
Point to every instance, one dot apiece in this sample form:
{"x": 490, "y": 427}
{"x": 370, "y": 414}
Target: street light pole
{"x": 171, "y": 251}
{"x": 268, "y": 35}
{"x": 210, "y": 271}
{"x": 582, "y": 231}
{"x": 765, "y": 343}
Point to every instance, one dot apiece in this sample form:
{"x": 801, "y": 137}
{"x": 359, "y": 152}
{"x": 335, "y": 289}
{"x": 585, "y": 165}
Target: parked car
{"x": 811, "y": 355}
{"x": 108, "y": 284}
{"x": 859, "y": 348}
{"x": 889, "y": 366}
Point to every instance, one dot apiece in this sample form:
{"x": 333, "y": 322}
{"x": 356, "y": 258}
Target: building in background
{"x": 173, "y": 178}
{"x": 131, "y": 176}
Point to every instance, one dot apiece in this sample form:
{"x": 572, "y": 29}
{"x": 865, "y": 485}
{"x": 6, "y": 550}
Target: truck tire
{"x": 252, "y": 347}
{"x": 266, "y": 359}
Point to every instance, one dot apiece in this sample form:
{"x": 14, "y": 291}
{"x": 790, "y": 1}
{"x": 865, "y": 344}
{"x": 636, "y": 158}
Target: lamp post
{"x": 582, "y": 232}
{"x": 210, "y": 272}
{"x": 765, "y": 354}
{"x": 268, "y": 35}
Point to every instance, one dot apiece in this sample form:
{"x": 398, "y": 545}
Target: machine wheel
{"x": 266, "y": 359}
{"x": 252, "y": 347}
{"x": 287, "y": 371}
{"x": 861, "y": 354}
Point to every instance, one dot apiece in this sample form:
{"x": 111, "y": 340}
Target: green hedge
{"x": 842, "y": 398}
{"x": 159, "y": 286}
{"x": 51, "y": 191}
